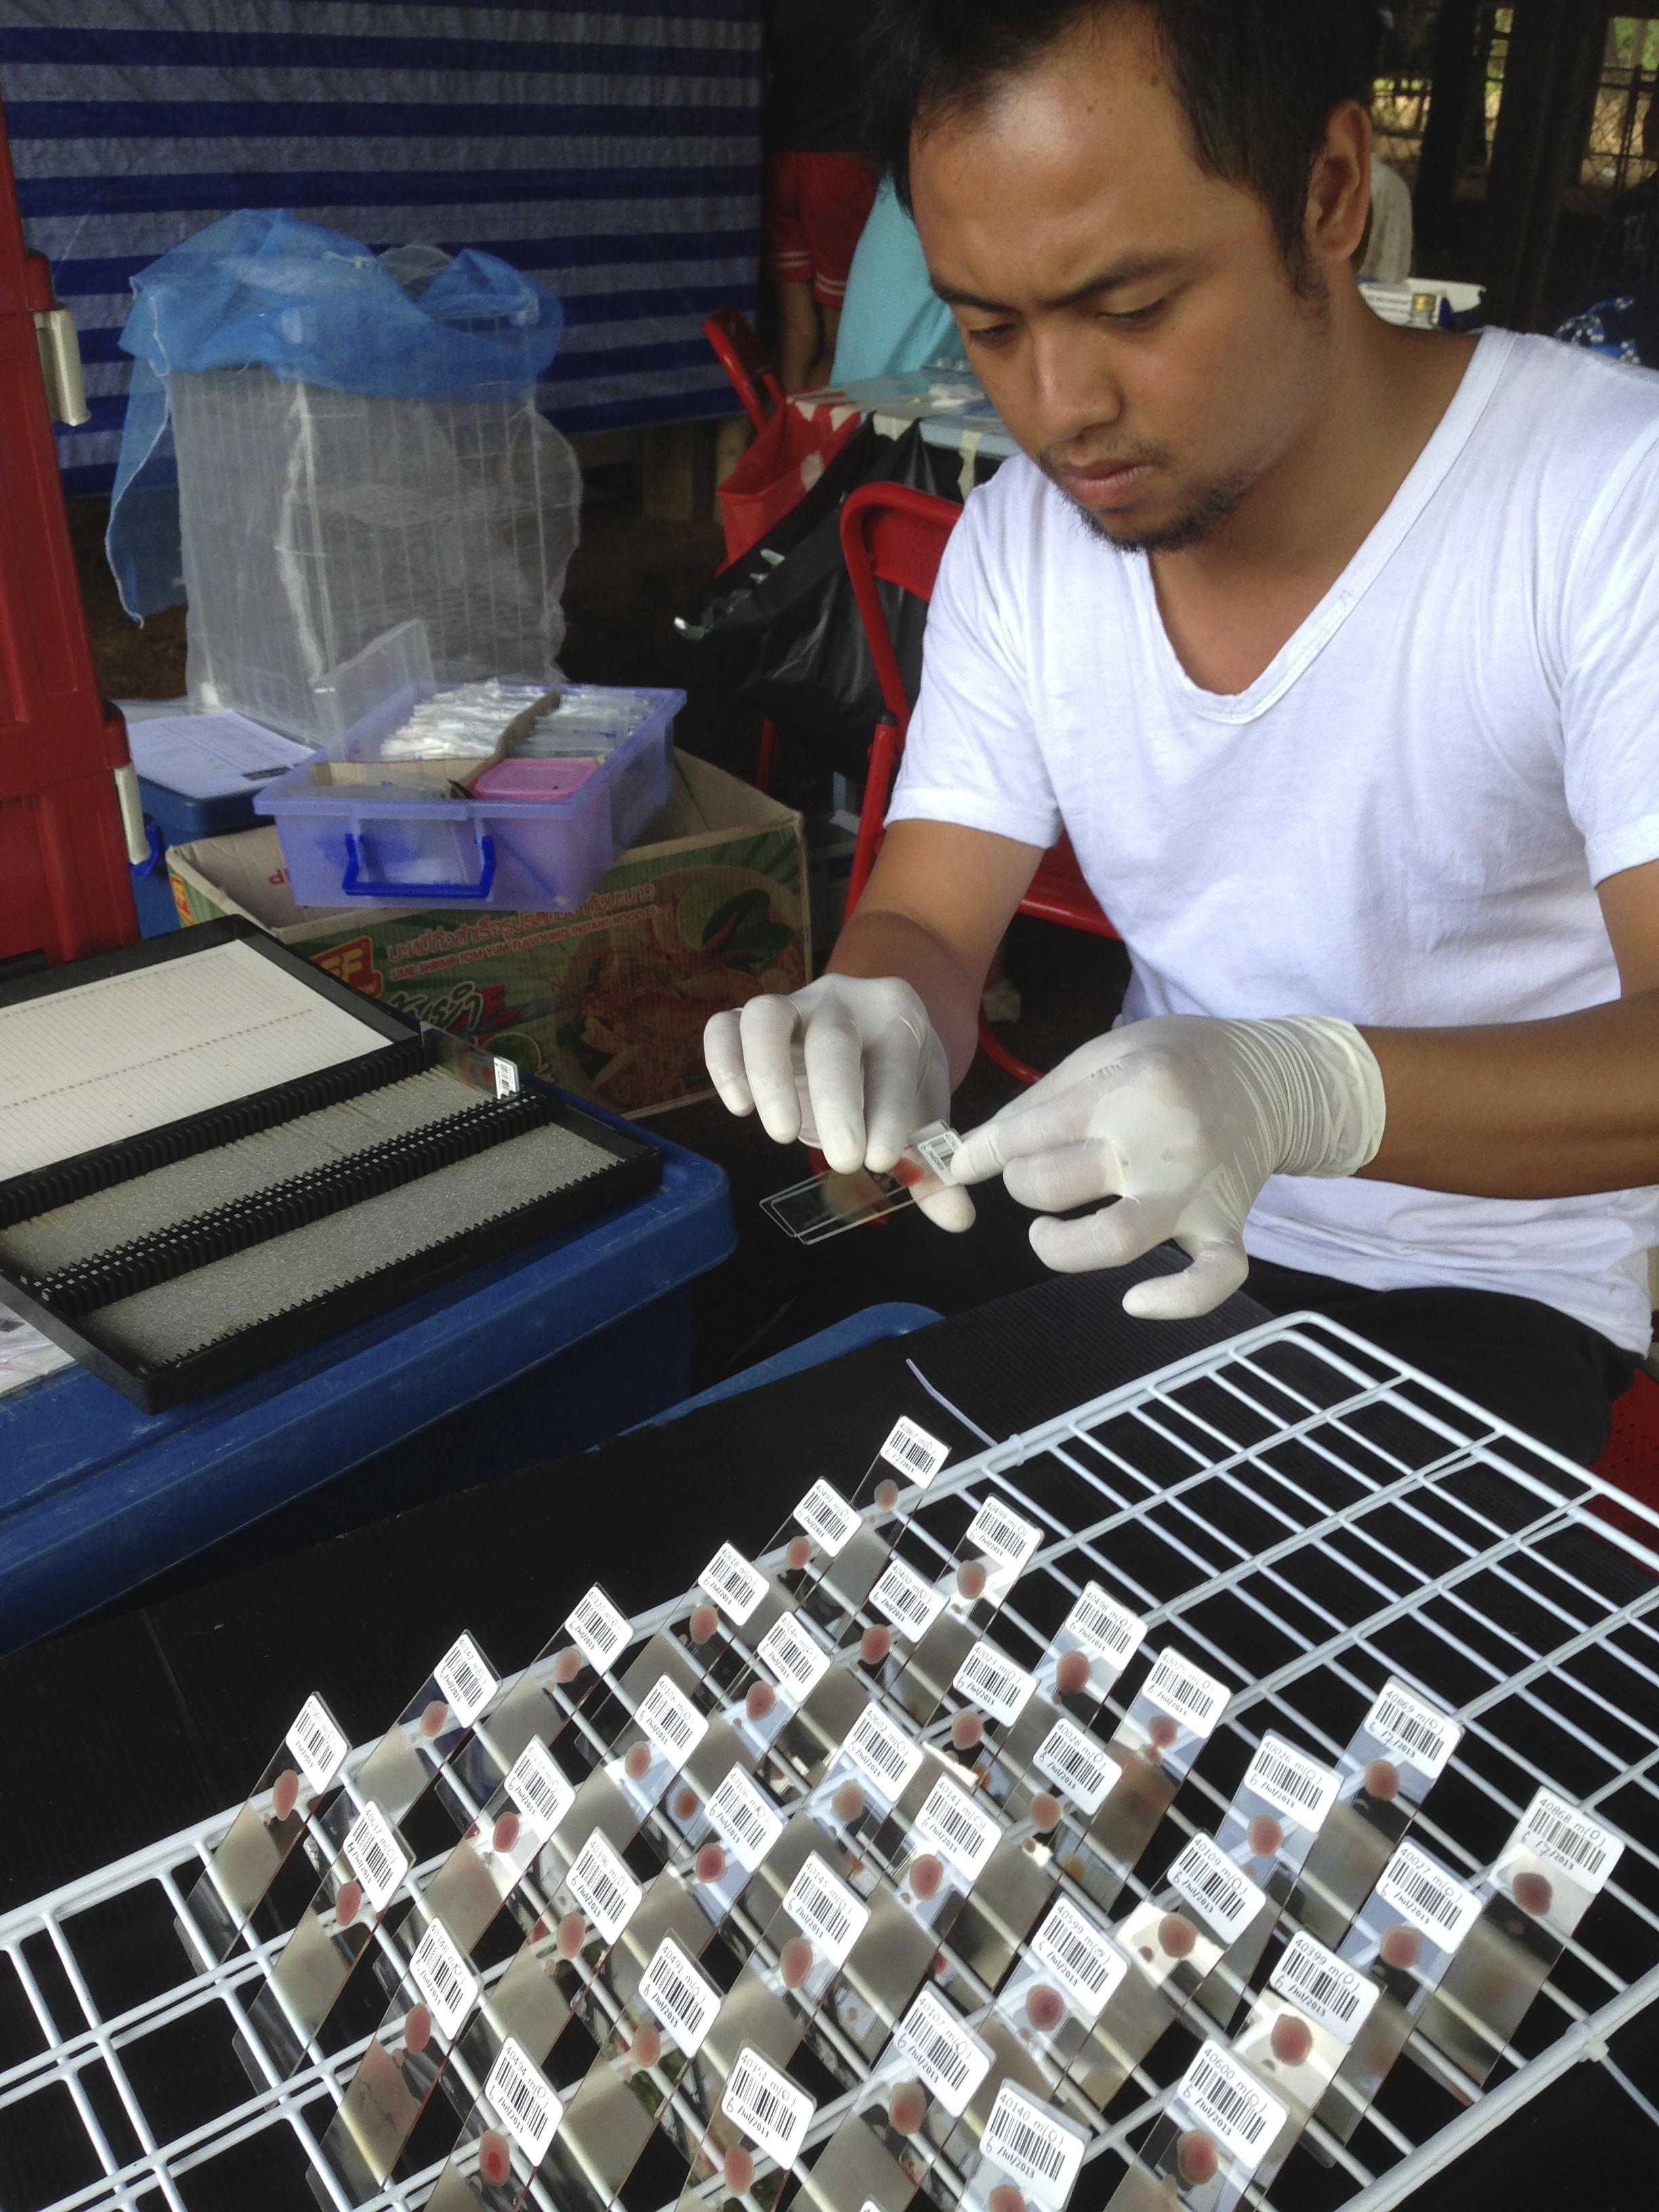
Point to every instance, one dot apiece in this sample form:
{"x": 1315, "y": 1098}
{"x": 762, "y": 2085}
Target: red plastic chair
{"x": 1632, "y": 1458}
{"x": 760, "y": 396}
{"x": 895, "y": 535}
{"x": 738, "y": 351}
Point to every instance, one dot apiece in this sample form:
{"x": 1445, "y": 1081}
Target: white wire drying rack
{"x": 1311, "y": 1516}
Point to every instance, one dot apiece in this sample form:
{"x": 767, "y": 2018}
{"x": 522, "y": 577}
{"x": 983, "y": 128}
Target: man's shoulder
{"x": 1575, "y": 406}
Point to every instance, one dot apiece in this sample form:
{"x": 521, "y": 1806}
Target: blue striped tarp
{"x": 615, "y": 154}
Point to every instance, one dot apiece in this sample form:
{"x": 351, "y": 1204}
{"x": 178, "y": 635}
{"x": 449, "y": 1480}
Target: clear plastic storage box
{"x": 347, "y": 835}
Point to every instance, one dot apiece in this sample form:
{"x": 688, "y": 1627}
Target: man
{"x": 1332, "y": 646}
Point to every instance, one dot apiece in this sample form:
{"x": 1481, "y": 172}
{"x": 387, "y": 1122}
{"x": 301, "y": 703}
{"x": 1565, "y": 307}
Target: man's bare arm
{"x": 934, "y": 911}
{"x": 1536, "y": 1110}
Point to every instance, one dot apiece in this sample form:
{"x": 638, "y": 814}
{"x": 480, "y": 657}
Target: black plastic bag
{"x": 781, "y": 625}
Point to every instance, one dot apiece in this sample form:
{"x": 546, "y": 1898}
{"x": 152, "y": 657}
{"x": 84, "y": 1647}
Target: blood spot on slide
{"x": 685, "y": 1805}
{"x": 874, "y": 1645}
{"x": 1401, "y": 1946}
{"x": 432, "y": 1719}
{"x": 637, "y": 1764}
{"x": 1178, "y": 1935}
{"x": 703, "y": 1623}
{"x": 848, "y": 1803}
{"x": 417, "y": 2029}
{"x": 711, "y": 1863}
{"x": 908, "y": 2108}
{"x": 739, "y": 2170}
{"x": 647, "y": 2046}
{"x": 1005, "y": 2198}
{"x": 966, "y": 1730}
{"x": 970, "y": 1578}
{"x": 1071, "y": 1674}
{"x": 1533, "y": 1893}
{"x": 887, "y": 1494}
{"x": 795, "y": 1961}
{"x": 495, "y": 2159}
{"x": 346, "y": 1904}
{"x": 1382, "y": 1779}
{"x": 926, "y": 1875}
{"x": 1291, "y": 2039}
{"x": 567, "y": 1665}
{"x": 1045, "y": 1811}
{"x": 1265, "y": 1836}
{"x": 799, "y": 1552}
{"x": 285, "y": 1793}
{"x": 573, "y": 1933}
{"x": 1195, "y": 2156}
{"x": 1045, "y": 2008}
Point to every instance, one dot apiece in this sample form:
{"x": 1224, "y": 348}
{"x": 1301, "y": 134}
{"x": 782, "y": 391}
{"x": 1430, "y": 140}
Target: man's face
{"x": 1131, "y": 318}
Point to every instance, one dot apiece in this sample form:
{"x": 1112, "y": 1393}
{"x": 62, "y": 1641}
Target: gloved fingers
{"x": 892, "y": 1084}
{"x": 767, "y": 1026}
{"x": 835, "y": 1084}
{"x": 945, "y": 1206}
{"x": 722, "y": 1053}
{"x": 1033, "y": 1124}
{"x": 1108, "y": 1238}
{"x": 1216, "y": 1273}
{"x": 1053, "y": 1182}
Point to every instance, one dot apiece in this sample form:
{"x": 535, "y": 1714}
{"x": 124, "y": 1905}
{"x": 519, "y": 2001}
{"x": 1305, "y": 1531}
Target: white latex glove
{"x": 1182, "y": 1118}
{"x": 851, "y": 1064}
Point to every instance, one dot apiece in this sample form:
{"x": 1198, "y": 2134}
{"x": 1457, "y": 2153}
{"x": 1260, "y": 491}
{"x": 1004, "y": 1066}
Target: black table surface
{"x": 140, "y": 1724}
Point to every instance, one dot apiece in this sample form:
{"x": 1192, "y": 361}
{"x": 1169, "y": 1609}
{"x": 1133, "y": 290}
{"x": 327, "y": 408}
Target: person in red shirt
{"x": 819, "y": 188}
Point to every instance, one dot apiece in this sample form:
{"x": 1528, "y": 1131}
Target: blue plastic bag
{"x": 317, "y": 307}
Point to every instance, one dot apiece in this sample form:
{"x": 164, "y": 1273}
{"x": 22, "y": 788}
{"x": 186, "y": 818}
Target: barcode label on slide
{"x": 792, "y": 1655}
{"x": 1294, "y": 1785}
{"x": 1412, "y": 1730}
{"x": 901, "y": 1596}
{"x": 950, "y": 2058}
{"x": 1104, "y": 1627}
{"x": 988, "y": 1677}
{"x": 681, "y": 1998}
{"x": 957, "y": 1830}
{"x": 1225, "y": 1899}
{"x": 1081, "y": 1956}
{"x": 825, "y": 1514}
{"x": 998, "y": 1533}
{"x": 319, "y": 1744}
{"x": 1231, "y": 2104}
{"x": 913, "y": 1452}
{"x": 1185, "y": 1692}
{"x": 1323, "y": 1987}
{"x": 744, "y": 1818}
{"x": 672, "y": 1720}
{"x": 444, "y": 1980}
{"x": 597, "y": 1629}
{"x": 525, "y": 2100}
{"x": 463, "y": 1676}
{"x": 826, "y": 1909}
{"x": 1075, "y": 1763}
{"x": 543, "y": 1795}
{"x": 377, "y": 1859}
{"x": 603, "y": 1888}
{"x": 1032, "y": 2145}
{"x": 880, "y": 1749}
{"x": 768, "y": 2107}
{"x": 735, "y": 1586}
{"x": 1562, "y": 1836}
{"x": 1427, "y": 1897}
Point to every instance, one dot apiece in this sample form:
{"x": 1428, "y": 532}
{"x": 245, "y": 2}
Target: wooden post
{"x": 1458, "y": 81}
{"x": 676, "y": 471}
{"x": 1554, "y": 47}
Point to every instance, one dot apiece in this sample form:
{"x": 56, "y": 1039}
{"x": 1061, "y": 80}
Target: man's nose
{"x": 1071, "y": 391}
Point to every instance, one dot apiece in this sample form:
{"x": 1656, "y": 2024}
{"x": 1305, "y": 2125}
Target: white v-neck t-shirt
{"x": 1401, "y": 821}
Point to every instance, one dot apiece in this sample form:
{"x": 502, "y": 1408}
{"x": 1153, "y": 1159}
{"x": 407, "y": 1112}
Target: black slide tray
{"x": 636, "y": 1170}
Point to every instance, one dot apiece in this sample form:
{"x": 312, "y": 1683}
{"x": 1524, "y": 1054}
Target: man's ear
{"x": 1338, "y": 223}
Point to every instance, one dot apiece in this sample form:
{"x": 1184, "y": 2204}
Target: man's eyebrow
{"x": 1135, "y": 271}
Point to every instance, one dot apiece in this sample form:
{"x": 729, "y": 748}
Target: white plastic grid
{"x": 1310, "y": 1516}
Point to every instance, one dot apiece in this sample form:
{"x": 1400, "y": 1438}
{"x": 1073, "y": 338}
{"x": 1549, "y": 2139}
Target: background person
{"x": 1332, "y": 645}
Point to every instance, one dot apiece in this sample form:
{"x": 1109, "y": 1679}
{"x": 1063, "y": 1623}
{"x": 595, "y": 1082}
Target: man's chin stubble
{"x": 1198, "y": 521}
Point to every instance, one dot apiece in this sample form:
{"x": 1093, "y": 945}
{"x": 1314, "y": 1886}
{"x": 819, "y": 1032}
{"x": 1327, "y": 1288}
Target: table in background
{"x": 950, "y": 406}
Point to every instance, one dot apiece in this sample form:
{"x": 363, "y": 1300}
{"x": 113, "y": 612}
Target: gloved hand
{"x": 1183, "y": 1118}
{"x": 850, "y": 1064}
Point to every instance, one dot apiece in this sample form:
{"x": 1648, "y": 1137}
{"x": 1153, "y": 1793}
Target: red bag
{"x": 786, "y": 460}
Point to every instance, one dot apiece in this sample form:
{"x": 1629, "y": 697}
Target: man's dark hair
{"x": 1256, "y": 79}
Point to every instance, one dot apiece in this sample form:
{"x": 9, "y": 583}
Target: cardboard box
{"x": 609, "y": 1001}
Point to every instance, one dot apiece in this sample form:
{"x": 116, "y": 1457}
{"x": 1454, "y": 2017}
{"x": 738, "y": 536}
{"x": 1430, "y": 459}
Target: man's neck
{"x": 1231, "y": 602}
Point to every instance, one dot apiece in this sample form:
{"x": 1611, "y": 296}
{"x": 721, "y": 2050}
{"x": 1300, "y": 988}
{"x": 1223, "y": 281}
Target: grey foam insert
{"x": 171, "y": 1320}
{"x": 187, "y": 1188}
